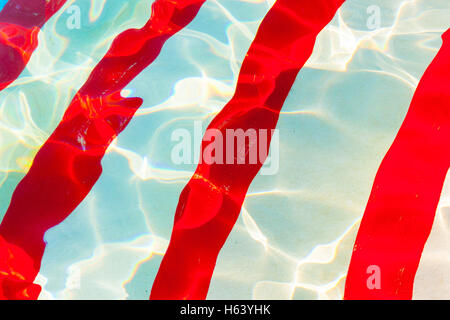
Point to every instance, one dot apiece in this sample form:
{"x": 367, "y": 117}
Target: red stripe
{"x": 20, "y": 23}
{"x": 401, "y": 208}
{"x": 210, "y": 203}
{"x": 68, "y": 164}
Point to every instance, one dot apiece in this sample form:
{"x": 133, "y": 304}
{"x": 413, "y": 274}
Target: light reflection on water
{"x": 295, "y": 234}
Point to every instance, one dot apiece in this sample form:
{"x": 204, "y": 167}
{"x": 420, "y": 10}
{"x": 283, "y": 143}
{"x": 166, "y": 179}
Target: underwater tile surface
{"x": 296, "y": 230}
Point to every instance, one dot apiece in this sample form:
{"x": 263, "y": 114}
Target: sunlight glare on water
{"x": 294, "y": 237}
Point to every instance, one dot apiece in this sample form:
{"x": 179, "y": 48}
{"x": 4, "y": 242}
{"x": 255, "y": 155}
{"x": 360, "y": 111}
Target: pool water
{"x": 295, "y": 234}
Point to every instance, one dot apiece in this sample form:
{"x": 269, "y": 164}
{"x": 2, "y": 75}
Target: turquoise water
{"x": 295, "y": 234}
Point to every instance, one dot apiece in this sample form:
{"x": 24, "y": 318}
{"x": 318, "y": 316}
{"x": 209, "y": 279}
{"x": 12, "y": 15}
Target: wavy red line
{"x": 405, "y": 194}
{"x": 69, "y": 163}
{"x": 210, "y": 203}
{"x": 20, "y": 23}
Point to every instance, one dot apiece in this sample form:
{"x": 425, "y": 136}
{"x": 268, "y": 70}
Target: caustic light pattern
{"x": 400, "y": 211}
